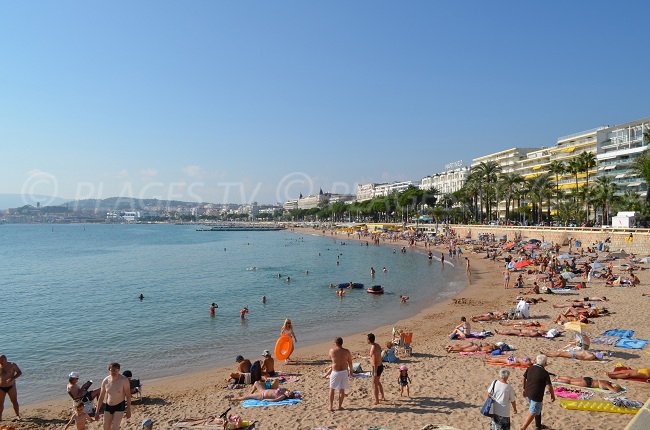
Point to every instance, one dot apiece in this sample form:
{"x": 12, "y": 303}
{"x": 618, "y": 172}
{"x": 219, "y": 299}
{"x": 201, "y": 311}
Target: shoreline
{"x": 446, "y": 389}
{"x": 306, "y": 347}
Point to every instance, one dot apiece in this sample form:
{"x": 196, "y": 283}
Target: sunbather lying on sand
{"x": 521, "y": 324}
{"x": 589, "y": 299}
{"x": 524, "y": 332}
{"x": 472, "y": 347}
{"x": 577, "y": 354}
{"x": 490, "y": 316}
{"x": 561, "y": 319}
{"x": 260, "y": 392}
{"x": 531, "y": 300}
{"x": 589, "y": 383}
{"x": 643, "y": 373}
{"x": 511, "y": 359}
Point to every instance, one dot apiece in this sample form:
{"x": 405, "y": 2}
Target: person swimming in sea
{"x": 264, "y": 299}
{"x": 141, "y": 297}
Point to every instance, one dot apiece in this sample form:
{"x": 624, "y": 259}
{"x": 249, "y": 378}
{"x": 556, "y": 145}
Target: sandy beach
{"x": 447, "y": 388}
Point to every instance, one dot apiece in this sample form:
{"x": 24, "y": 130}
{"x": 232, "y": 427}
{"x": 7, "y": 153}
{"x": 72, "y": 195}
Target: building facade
{"x": 618, "y": 149}
{"x": 446, "y": 182}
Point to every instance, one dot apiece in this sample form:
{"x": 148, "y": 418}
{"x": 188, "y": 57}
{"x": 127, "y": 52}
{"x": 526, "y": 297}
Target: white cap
{"x": 74, "y": 375}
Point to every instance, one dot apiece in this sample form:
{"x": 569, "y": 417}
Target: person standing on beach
{"x": 536, "y": 380}
{"x": 377, "y": 368}
{"x": 506, "y": 278}
{"x": 442, "y": 259}
{"x": 341, "y": 371}
{"x": 115, "y": 396}
{"x": 287, "y": 328}
{"x": 503, "y": 396}
{"x": 9, "y": 372}
{"x": 467, "y": 268}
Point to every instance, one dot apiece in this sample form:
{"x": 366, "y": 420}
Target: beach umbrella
{"x": 530, "y": 247}
{"x": 564, "y": 257}
{"x": 509, "y": 245}
{"x": 535, "y": 241}
{"x": 521, "y": 264}
{"x": 567, "y": 275}
{"x": 621, "y": 254}
{"x": 575, "y": 326}
{"x": 597, "y": 265}
{"x": 645, "y": 260}
{"x": 545, "y": 244}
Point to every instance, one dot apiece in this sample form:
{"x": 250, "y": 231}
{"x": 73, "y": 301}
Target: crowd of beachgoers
{"x": 550, "y": 329}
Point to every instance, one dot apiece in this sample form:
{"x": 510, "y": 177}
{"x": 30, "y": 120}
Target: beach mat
{"x": 573, "y": 394}
{"x": 595, "y": 390}
{"x": 250, "y": 403}
{"x": 617, "y": 332}
{"x": 631, "y": 343}
{"x": 499, "y": 363}
{"x": 596, "y": 406}
{"x": 604, "y": 340}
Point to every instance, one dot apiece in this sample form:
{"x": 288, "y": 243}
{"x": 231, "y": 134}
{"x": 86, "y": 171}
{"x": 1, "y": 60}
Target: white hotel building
{"x": 372, "y": 190}
{"x": 446, "y": 182}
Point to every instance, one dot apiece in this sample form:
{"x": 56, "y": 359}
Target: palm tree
{"x": 488, "y": 171}
{"x": 557, "y": 168}
{"x": 509, "y": 183}
{"x": 604, "y": 194}
{"x": 541, "y": 186}
{"x": 575, "y": 167}
{"x": 641, "y": 166}
{"x": 587, "y": 160}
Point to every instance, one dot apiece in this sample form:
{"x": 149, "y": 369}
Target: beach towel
{"x": 479, "y": 334}
{"x": 616, "y": 332}
{"x": 575, "y": 394}
{"x": 631, "y": 343}
{"x": 595, "y": 390}
{"x": 499, "y": 363}
{"x": 361, "y": 375}
{"x": 250, "y": 403}
{"x": 473, "y": 353}
{"x": 596, "y": 406}
{"x": 604, "y": 340}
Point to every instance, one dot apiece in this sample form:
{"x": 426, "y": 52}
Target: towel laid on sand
{"x": 604, "y": 340}
{"x": 569, "y": 393}
{"x": 631, "y": 343}
{"x": 617, "y": 332}
{"x": 250, "y": 403}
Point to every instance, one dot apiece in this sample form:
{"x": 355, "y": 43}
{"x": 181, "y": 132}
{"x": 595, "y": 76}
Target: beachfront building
{"x": 366, "y": 191}
{"x": 290, "y": 205}
{"x": 447, "y": 182}
{"x": 617, "y": 150}
{"x": 383, "y": 190}
{"x": 508, "y": 160}
{"x": 571, "y": 146}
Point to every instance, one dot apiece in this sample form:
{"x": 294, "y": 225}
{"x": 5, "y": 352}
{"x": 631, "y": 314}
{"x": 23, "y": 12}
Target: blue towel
{"x": 617, "y": 332}
{"x": 253, "y": 403}
{"x": 631, "y": 343}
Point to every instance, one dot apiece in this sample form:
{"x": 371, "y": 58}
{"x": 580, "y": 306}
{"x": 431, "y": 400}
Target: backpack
{"x": 256, "y": 372}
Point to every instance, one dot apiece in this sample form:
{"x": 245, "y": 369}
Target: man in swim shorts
{"x": 8, "y": 374}
{"x": 377, "y": 368}
{"x": 341, "y": 371}
{"x": 115, "y": 396}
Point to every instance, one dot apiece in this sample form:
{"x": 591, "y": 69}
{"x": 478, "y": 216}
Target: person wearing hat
{"x": 268, "y": 366}
{"x": 404, "y": 380}
{"x": 80, "y": 393}
{"x": 243, "y": 369}
{"x": 147, "y": 424}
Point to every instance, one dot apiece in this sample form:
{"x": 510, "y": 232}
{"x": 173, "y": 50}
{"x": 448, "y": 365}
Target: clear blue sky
{"x": 261, "y": 100}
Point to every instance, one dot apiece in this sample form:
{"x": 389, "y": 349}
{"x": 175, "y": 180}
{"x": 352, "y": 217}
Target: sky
{"x": 234, "y": 102}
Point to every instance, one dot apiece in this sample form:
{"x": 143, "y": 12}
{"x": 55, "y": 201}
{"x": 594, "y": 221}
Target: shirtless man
{"x": 243, "y": 367}
{"x": 341, "y": 371}
{"x": 8, "y": 374}
{"x": 377, "y": 368}
{"x": 268, "y": 366}
{"x": 115, "y": 396}
{"x": 472, "y": 347}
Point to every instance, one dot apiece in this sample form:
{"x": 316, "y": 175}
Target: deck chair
{"x": 89, "y": 406}
{"x": 136, "y": 385}
{"x": 405, "y": 340}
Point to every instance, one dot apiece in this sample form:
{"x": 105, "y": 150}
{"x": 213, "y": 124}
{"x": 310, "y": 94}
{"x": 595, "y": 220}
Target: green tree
{"x": 604, "y": 194}
{"x": 557, "y": 168}
{"x": 488, "y": 172}
{"x": 641, "y": 166}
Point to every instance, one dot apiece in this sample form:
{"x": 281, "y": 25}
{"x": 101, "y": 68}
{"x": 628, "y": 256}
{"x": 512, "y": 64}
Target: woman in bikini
{"x": 260, "y": 392}
{"x": 643, "y": 373}
{"x": 472, "y": 347}
{"x": 589, "y": 382}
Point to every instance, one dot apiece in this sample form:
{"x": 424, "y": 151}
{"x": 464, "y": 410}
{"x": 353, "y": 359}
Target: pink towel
{"x": 576, "y": 394}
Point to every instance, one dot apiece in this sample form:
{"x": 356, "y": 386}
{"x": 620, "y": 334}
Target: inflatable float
{"x": 354, "y": 285}
{"x": 283, "y": 347}
{"x": 376, "y": 289}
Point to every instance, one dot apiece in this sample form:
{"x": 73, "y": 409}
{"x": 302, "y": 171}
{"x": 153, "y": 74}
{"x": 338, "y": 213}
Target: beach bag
{"x": 256, "y": 372}
{"x": 487, "y": 406}
{"x": 356, "y": 368}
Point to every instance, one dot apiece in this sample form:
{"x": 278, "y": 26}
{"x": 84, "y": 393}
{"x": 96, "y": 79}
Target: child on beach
{"x": 404, "y": 380}
{"x": 79, "y": 418}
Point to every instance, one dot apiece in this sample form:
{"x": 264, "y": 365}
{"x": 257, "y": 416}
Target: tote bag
{"x": 487, "y": 406}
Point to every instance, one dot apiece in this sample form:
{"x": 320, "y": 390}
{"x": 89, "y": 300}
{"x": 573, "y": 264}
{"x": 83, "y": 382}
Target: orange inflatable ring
{"x": 283, "y": 347}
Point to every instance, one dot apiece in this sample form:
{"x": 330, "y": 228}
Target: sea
{"x": 70, "y": 296}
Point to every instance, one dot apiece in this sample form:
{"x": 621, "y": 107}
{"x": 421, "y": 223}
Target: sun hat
{"x": 239, "y": 358}
{"x": 74, "y": 375}
{"x": 266, "y": 353}
{"x": 403, "y": 367}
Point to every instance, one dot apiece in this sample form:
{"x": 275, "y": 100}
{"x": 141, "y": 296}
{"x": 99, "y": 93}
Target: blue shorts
{"x": 535, "y": 408}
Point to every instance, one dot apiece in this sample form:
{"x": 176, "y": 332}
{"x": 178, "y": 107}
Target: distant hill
{"x": 17, "y": 200}
{"x": 127, "y": 203}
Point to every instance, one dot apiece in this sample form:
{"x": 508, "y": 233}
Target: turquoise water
{"x": 70, "y": 296}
